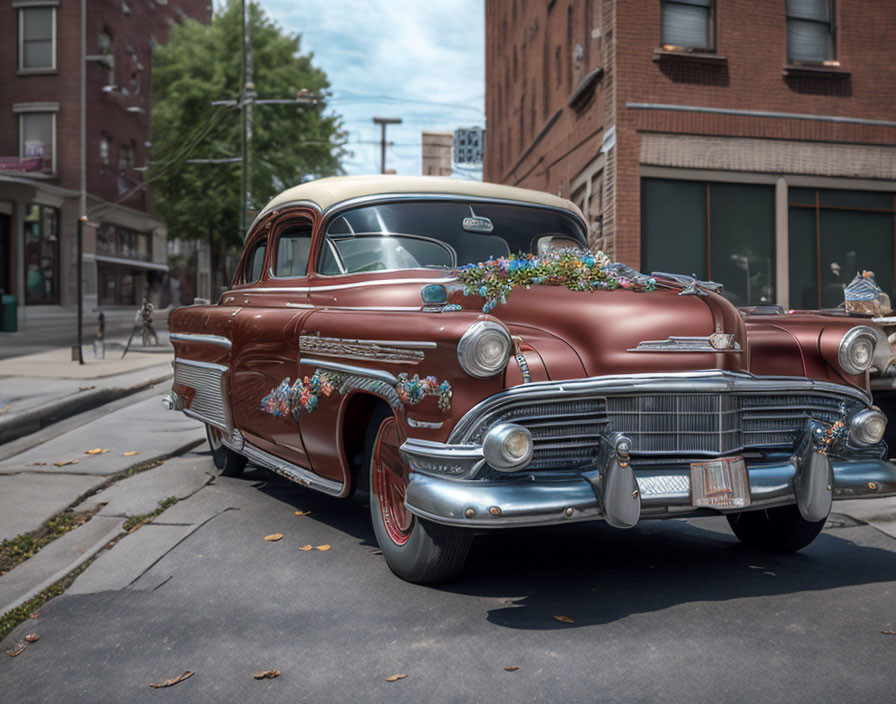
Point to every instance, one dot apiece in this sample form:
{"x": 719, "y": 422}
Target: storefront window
{"x": 834, "y": 235}
{"x": 719, "y": 231}
{"x": 41, "y": 254}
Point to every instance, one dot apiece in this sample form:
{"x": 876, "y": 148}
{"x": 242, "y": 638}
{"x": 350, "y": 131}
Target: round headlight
{"x": 857, "y": 350}
{"x": 484, "y": 349}
{"x": 507, "y": 447}
{"x": 867, "y": 427}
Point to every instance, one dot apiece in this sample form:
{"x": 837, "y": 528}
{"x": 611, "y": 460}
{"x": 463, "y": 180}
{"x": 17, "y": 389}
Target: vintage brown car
{"x": 454, "y": 349}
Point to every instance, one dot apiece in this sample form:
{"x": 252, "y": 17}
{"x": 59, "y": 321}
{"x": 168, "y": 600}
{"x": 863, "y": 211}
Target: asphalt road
{"x": 669, "y": 611}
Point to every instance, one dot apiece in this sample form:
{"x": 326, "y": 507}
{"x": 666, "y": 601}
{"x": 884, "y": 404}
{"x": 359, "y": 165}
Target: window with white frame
{"x": 37, "y": 38}
{"x": 37, "y": 140}
{"x": 810, "y": 31}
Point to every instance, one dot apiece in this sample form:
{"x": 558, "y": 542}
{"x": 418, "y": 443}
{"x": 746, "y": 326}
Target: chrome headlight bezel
{"x": 470, "y": 345}
{"x": 860, "y": 424}
{"x": 856, "y": 336}
{"x": 496, "y": 452}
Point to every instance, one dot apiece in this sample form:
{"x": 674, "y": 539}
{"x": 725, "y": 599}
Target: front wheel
{"x": 229, "y": 462}
{"x": 415, "y": 549}
{"x": 780, "y": 529}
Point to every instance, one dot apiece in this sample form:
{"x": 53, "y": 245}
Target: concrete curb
{"x": 20, "y": 424}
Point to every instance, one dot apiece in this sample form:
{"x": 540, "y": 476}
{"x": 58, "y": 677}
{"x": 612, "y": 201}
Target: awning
{"x": 132, "y": 263}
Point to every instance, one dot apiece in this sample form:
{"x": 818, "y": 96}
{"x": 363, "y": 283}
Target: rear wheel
{"x": 780, "y": 529}
{"x": 415, "y": 549}
{"x": 229, "y": 462}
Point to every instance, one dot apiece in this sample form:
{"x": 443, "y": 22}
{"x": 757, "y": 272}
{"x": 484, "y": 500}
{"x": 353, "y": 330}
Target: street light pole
{"x": 82, "y": 200}
{"x": 382, "y": 122}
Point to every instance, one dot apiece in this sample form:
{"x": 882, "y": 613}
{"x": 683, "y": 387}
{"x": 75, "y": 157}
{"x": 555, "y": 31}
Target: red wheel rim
{"x": 390, "y": 482}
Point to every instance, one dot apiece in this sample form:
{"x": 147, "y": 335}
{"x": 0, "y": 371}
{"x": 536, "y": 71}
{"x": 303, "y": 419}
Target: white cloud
{"x": 423, "y": 61}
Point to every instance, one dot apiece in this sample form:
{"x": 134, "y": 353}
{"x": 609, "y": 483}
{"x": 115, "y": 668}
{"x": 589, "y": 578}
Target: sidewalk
{"x": 38, "y": 389}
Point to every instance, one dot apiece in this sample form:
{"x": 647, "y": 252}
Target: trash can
{"x": 8, "y": 314}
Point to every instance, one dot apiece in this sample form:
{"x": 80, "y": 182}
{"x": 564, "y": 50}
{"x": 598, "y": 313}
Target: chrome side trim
{"x": 414, "y": 423}
{"x": 345, "y": 348}
{"x": 202, "y": 365}
{"x": 534, "y": 500}
{"x": 293, "y": 472}
{"x": 684, "y": 344}
{"x": 377, "y": 374}
{"x": 193, "y": 337}
{"x": 708, "y": 381}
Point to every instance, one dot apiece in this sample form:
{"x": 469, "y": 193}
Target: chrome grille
{"x": 206, "y": 380}
{"x": 567, "y": 433}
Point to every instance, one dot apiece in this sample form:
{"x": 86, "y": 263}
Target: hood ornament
{"x": 692, "y": 285}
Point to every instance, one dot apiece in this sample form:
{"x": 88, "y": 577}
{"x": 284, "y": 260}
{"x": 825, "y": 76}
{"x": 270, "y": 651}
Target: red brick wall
{"x": 751, "y": 35}
{"x": 106, "y": 112}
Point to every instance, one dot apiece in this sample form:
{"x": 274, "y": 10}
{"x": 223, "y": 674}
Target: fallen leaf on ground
{"x": 889, "y": 633}
{"x": 32, "y": 615}
{"x": 37, "y": 464}
{"x": 174, "y": 680}
{"x": 273, "y": 537}
{"x": 17, "y": 649}
{"x": 5, "y": 409}
{"x": 769, "y": 573}
{"x": 755, "y": 567}
{"x": 267, "y": 675}
{"x": 323, "y": 547}
{"x": 62, "y": 464}
{"x": 85, "y": 388}
{"x": 395, "y": 678}
{"x": 32, "y": 637}
{"x": 306, "y": 548}
{"x": 564, "y": 619}
{"x": 131, "y": 453}
{"x": 302, "y": 513}
{"x": 97, "y": 451}
{"x": 512, "y": 668}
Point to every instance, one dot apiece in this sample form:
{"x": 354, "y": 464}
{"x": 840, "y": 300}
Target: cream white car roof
{"x": 326, "y": 192}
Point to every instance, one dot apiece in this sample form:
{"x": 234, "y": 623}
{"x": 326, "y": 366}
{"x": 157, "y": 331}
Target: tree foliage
{"x": 290, "y": 143}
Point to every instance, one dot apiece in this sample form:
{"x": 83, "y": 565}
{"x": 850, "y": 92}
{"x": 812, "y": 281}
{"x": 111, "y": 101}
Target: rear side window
{"x": 293, "y": 250}
{"x": 255, "y": 262}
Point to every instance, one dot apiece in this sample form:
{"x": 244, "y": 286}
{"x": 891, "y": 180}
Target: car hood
{"x": 605, "y": 328}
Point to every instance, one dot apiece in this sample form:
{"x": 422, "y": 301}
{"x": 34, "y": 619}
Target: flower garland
{"x": 304, "y": 394}
{"x": 412, "y": 391}
{"x": 577, "y": 270}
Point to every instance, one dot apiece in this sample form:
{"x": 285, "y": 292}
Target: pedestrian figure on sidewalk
{"x": 148, "y": 331}
{"x": 99, "y": 342}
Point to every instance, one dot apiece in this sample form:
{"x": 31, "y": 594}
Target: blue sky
{"x": 421, "y": 60}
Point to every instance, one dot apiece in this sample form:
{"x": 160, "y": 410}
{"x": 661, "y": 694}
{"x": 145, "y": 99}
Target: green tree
{"x": 290, "y": 143}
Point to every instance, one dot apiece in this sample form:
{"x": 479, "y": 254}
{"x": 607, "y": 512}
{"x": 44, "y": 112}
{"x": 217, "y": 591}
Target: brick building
{"x": 125, "y": 248}
{"x": 436, "y": 153}
{"x": 748, "y": 141}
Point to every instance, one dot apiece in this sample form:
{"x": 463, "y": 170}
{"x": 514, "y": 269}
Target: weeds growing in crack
{"x": 14, "y": 617}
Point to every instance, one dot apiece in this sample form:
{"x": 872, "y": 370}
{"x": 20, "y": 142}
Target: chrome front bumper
{"x": 543, "y": 500}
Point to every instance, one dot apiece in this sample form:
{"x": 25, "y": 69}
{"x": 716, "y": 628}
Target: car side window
{"x": 255, "y": 262}
{"x": 293, "y": 250}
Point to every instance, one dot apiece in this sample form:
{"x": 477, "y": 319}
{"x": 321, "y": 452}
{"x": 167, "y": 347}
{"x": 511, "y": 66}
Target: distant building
{"x": 469, "y": 143}
{"x": 125, "y": 249}
{"x": 748, "y": 141}
{"x": 436, "y": 148}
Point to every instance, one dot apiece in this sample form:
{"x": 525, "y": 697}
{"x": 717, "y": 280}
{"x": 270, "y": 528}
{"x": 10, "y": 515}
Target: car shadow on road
{"x": 594, "y": 574}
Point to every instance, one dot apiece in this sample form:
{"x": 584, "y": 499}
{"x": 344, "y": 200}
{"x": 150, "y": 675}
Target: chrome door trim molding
{"x": 196, "y": 337}
{"x": 291, "y": 471}
{"x": 377, "y": 374}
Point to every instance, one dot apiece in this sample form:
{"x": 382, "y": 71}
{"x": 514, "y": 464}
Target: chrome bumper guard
{"x": 810, "y": 479}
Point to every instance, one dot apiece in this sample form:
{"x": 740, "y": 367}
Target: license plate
{"x": 720, "y": 483}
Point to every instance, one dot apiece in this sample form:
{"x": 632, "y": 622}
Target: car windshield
{"x": 441, "y": 234}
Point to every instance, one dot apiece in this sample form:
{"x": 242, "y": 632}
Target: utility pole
{"x": 382, "y": 122}
{"x": 82, "y": 199}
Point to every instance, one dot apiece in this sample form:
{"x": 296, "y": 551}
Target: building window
{"x": 719, "y": 231}
{"x": 687, "y": 24}
{"x": 810, "y": 31}
{"x": 37, "y": 38}
{"x": 37, "y": 141}
{"x": 41, "y": 254}
{"x": 834, "y": 235}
